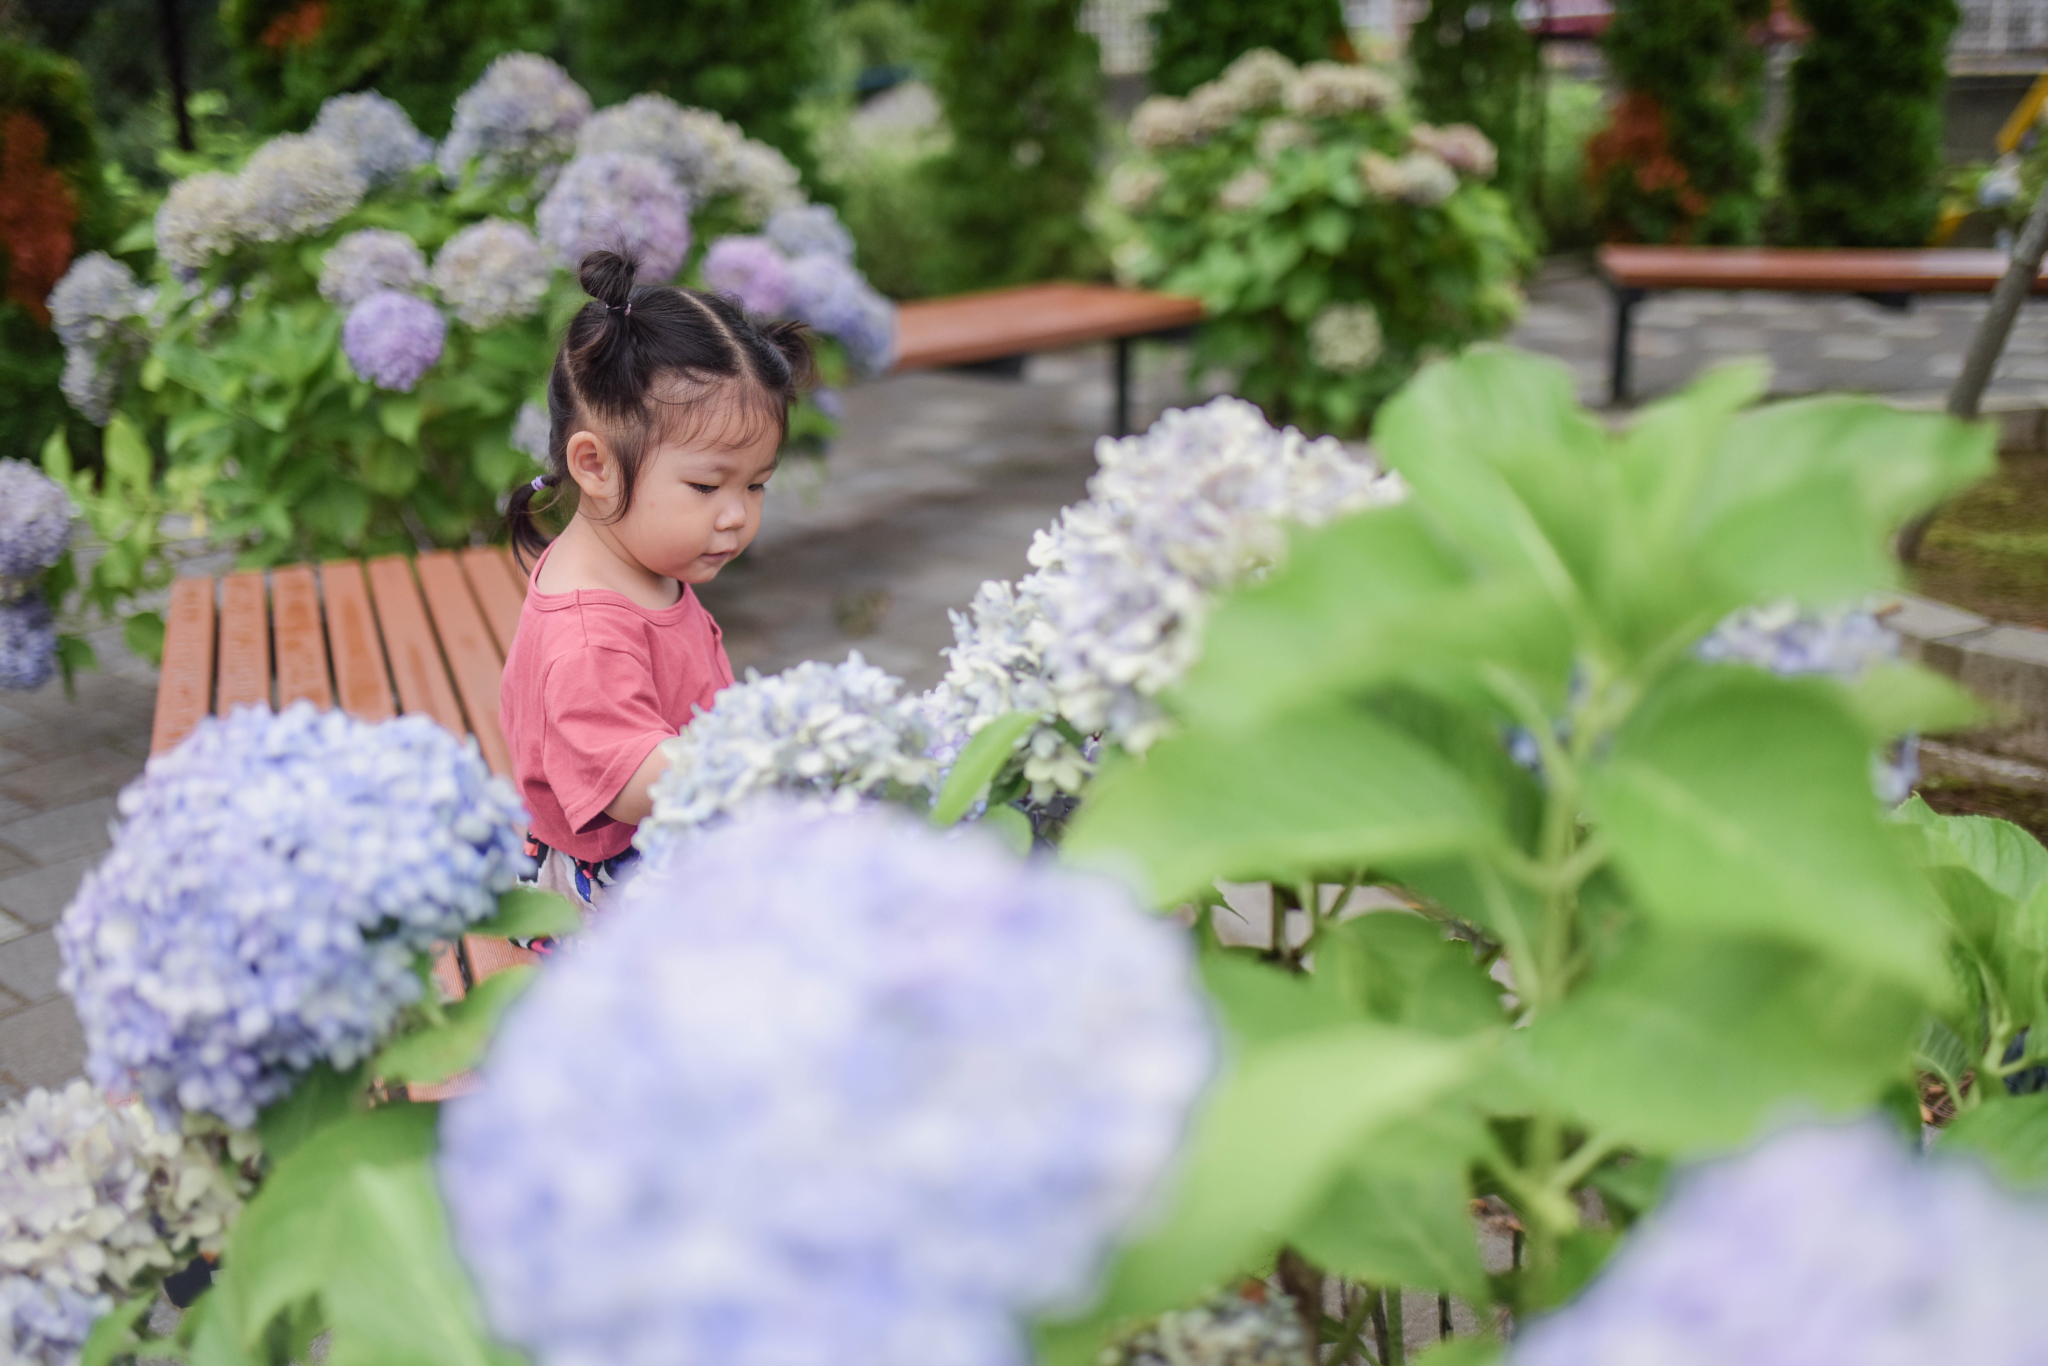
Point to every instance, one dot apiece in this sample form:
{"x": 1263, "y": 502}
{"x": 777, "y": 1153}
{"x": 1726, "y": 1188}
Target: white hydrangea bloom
{"x": 1461, "y": 146}
{"x": 1330, "y": 88}
{"x": 1244, "y": 190}
{"x": 293, "y": 185}
{"x": 492, "y": 271}
{"x": 1163, "y": 121}
{"x": 1346, "y": 339}
{"x": 370, "y": 259}
{"x": 994, "y": 668}
{"x": 762, "y": 180}
{"x": 376, "y": 132}
{"x": 826, "y": 733}
{"x": 200, "y": 218}
{"x": 95, "y": 1195}
{"x": 1135, "y": 184}
{"x": 1281, "y": 135}
{"x": 1260, "y": 79}
{"x": 1419, "y": 178}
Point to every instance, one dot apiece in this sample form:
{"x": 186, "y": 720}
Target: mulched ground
{"x": 1988, "y": 550}
{"x": 1963, "y": 797}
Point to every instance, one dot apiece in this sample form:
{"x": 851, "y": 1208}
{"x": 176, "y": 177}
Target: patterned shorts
{"x": 589, "y": 885}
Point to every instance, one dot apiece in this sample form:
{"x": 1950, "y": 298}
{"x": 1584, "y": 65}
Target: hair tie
{"x": 626, "y": 310}
{"x": 540, "y": 481}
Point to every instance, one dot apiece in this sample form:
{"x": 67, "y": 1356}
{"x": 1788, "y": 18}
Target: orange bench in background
{"x": 1885, "y": 276}
{"x": 1006, "y": 325}
{"x": 379, "y": 638}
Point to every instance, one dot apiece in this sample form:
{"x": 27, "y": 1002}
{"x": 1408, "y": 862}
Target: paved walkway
{"x": 937, "y": 483}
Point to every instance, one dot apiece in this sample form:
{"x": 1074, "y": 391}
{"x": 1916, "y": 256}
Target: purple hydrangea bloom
{"x": 35, "y": 521}
{"x": 375, "y": 132}
{"x": 830, "y": 295}
{"x": 1821, "y": 1245}
{"x": 618, "y": 197}
{"x": 271, "y": 883}
{"x": 28, "y": 643}
{"x": 802, "y": 229}
{"x": 491, "y": 272}
{"x": 392, "y": 338}
{"x": 825, "y": 1089}
{"x": 751, "y": 270}
{"x": 520, "y": 118}
{"x": 46, "y": 1325}
{"x": 368, "y": 260}
{"x": 1782, "y": 638}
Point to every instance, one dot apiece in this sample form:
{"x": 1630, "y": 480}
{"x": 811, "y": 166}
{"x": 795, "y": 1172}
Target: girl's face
{"x": 697, "y": 505}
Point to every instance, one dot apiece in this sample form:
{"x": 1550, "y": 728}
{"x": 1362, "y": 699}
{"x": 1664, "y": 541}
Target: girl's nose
{"x": 732, "y": 515}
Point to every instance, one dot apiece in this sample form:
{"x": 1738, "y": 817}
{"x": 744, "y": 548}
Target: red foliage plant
{"x": 1635, "y": 143}
{"x": 296, "y": 27}
{"x": 37, "y": 213}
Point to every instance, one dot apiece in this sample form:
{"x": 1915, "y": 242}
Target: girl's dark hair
{"x": 653, "y": 361}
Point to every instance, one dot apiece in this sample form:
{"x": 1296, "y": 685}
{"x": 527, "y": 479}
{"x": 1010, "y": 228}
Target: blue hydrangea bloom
{"x": 830, "y": 295}
{"x": 825, "y": 1089}
{"x": 752, "y": 271}
{"x": 391, "y": 338}
{"x": 46, "y": 1325}
{"x": 96, "y": 298}
{"x": 1829, "y": 1245}
{"x": 520, "y": 118}
{"x": 28, "y": 643}
{"x": 375, "y": 132}
{"x": 271, "y": 880}
{"x": 35, "y": 521}
{"x": 1786, "y": 640}
{"x": 801, "y": 229}
{"x": 604, "y": 199}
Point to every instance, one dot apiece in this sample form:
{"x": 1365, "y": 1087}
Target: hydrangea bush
{"x": 35, "y": 536}
{"x": 98, "y": 1201}
{"x": 331, "y": 348}
{"x": 272, "y": 883}
{"x": 1336, "y": 241}
{"x": 848, "y": 1090}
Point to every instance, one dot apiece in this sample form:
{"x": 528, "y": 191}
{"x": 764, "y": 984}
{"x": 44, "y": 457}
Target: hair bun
{"x": 607, "y": 275}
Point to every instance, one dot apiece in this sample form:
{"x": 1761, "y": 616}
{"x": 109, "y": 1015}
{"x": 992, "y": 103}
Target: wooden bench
{"x": 1008, "y": 324}
{"x": 390, "y": 636}
{"x": 1891, "y": 278}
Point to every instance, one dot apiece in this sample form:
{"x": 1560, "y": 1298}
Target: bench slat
{"x": 184, "y": 689}
{"x": 1866, "y": 270}
{"x": 488, "y": 957}
{"x": 1046, "y": 317}
{"x": 360, "y": 677}
{"x": 473, "y": 656}
{"x": 244, "y": 668}
{"x": 409, "y": 644}
{"x": 497, "y": 592}
{"x": 301, "y": 644}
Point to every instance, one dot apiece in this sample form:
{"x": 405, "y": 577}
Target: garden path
{"x": 937, "y": 483}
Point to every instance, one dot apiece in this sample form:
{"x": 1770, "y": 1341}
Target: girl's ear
{"x": 590, "y": 465}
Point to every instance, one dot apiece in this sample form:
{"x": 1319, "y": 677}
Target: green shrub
{"x": 882, "y": 183}
{"x": 53, "y": 203}
{"x": 1573, "y": 113}
{"x": 1336, "y": 242}
{"x": 1476, "y": 64}
{"x": 749, "y": 60}
{"x": 1678, "y": 162}
{"x": 1863, "y": 142}
{"x": 1193, "y": 40}
{"x": 1021, "y": 89}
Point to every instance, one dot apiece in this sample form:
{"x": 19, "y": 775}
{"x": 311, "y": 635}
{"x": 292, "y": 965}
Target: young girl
{"x": 666, "y": 408}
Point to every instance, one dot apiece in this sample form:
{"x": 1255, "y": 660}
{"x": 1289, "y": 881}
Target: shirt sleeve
{"x": 603, "y": 720}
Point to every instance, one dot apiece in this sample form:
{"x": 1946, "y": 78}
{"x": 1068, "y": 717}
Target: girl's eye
{"x": 756, "y": 488}
{"x": 705, "y": 488}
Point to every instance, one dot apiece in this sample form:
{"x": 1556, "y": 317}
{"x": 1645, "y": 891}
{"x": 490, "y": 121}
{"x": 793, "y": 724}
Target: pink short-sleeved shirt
{"x": 593, "y": 683}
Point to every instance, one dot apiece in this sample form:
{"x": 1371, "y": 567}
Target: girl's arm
{"x": 635, "y": 801}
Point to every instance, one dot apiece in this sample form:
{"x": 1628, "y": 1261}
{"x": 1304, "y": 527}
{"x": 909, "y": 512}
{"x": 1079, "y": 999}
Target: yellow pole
{"x": 2024, "y": 116}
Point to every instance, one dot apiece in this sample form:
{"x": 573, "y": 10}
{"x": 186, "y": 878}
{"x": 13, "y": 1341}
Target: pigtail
{"x": 523, "y": 523}
{"x": 792, "y": 342}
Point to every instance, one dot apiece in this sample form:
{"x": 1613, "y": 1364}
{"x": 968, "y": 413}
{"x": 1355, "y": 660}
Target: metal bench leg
{"x": 1625, "y": 301}
{"x": 1120, "y": 418}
